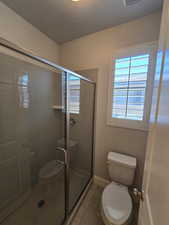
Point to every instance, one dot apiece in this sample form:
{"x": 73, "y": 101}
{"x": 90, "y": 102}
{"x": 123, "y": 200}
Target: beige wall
{"x": 95, "y": 51}
{"x": 92, "y": 51}
{"x": 15, "y": 29}
{"x": 154, "y": 210}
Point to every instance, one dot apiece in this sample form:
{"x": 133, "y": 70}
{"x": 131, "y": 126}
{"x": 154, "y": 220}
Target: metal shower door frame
{"x": 65, "y": 72}
{"x": 67, "y": 149}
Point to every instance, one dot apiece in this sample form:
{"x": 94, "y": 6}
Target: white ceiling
{"x": 64, "y": 20}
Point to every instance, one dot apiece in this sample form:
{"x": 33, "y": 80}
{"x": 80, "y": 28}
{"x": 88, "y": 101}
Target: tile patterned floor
{"x": 89, "y": 211}
{"x": 53, "y": 211}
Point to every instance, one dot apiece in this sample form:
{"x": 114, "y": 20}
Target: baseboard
{"x": 101, "y": 181}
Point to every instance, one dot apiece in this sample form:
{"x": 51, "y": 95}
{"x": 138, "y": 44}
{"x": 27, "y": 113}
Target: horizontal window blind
{"x": 74, "y": 94}
{"x": 129, "y": 87}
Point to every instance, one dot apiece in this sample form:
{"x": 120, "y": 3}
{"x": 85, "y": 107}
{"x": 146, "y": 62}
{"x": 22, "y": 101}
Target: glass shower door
{"x": 80, "y": 111}
{"x": 46, "y": 140}
{"x": 32, "y": 125}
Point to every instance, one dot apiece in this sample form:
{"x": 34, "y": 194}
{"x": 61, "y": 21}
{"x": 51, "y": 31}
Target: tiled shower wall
{"x": 29, "y": 127}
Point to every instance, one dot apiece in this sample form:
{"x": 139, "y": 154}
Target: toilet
{"x": 116, "y": 202}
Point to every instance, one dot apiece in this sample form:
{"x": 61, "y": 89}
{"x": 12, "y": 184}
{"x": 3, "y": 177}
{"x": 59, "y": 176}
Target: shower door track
{"x": 79, "y": 202}
{"x": 68, "y": 214}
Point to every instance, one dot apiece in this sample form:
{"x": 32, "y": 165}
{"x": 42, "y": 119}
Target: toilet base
{"x": 106, "y": 222}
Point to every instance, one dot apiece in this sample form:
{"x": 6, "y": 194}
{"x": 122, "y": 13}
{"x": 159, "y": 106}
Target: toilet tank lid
{"x": 125, "y": 160}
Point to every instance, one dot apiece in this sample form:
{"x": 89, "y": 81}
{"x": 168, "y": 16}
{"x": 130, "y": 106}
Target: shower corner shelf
{"x": 58, "y": 107}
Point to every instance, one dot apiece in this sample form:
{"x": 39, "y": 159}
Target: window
{"x": 74, "y": 94}
{"x": 131, "y": 87}
{"x": 130, "y": 80}
{"x": 23, "y": 84}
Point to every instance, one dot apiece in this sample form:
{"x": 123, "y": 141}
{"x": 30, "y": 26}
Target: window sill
{"x": 128, "y": 124}
{"x": 74, "y": 113}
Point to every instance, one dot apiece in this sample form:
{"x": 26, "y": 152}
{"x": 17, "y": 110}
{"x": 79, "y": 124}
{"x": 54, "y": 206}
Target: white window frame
{"x": 146, "y": 48}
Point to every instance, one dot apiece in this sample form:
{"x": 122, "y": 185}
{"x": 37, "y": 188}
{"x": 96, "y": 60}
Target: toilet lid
{"x": 116, "y": 203}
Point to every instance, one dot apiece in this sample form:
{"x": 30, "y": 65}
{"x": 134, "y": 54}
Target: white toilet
{"x": 116, "y": 201}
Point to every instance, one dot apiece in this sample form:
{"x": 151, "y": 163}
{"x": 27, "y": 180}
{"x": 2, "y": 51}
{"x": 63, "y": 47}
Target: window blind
{"x": 129, "y": 87}
{"x": 74, "y": 94}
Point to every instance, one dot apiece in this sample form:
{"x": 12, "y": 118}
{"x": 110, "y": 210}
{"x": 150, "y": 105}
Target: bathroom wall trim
{"x": 101, "y": 181}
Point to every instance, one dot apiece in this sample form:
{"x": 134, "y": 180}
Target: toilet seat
{"x": 116, "y": 204}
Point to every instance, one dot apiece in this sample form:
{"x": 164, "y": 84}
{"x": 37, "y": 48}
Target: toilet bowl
{"x": 116, "y": 202}
{"x": 116, "y": 205}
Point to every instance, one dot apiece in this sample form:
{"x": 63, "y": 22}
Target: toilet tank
{"x": 121, "y": 168}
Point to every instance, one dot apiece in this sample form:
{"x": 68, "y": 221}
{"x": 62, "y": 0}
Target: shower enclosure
{"x": 46, "y": 139}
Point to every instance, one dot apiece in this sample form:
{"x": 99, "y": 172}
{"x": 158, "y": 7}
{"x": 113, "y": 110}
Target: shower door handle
{"x": 64, "y": 152}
